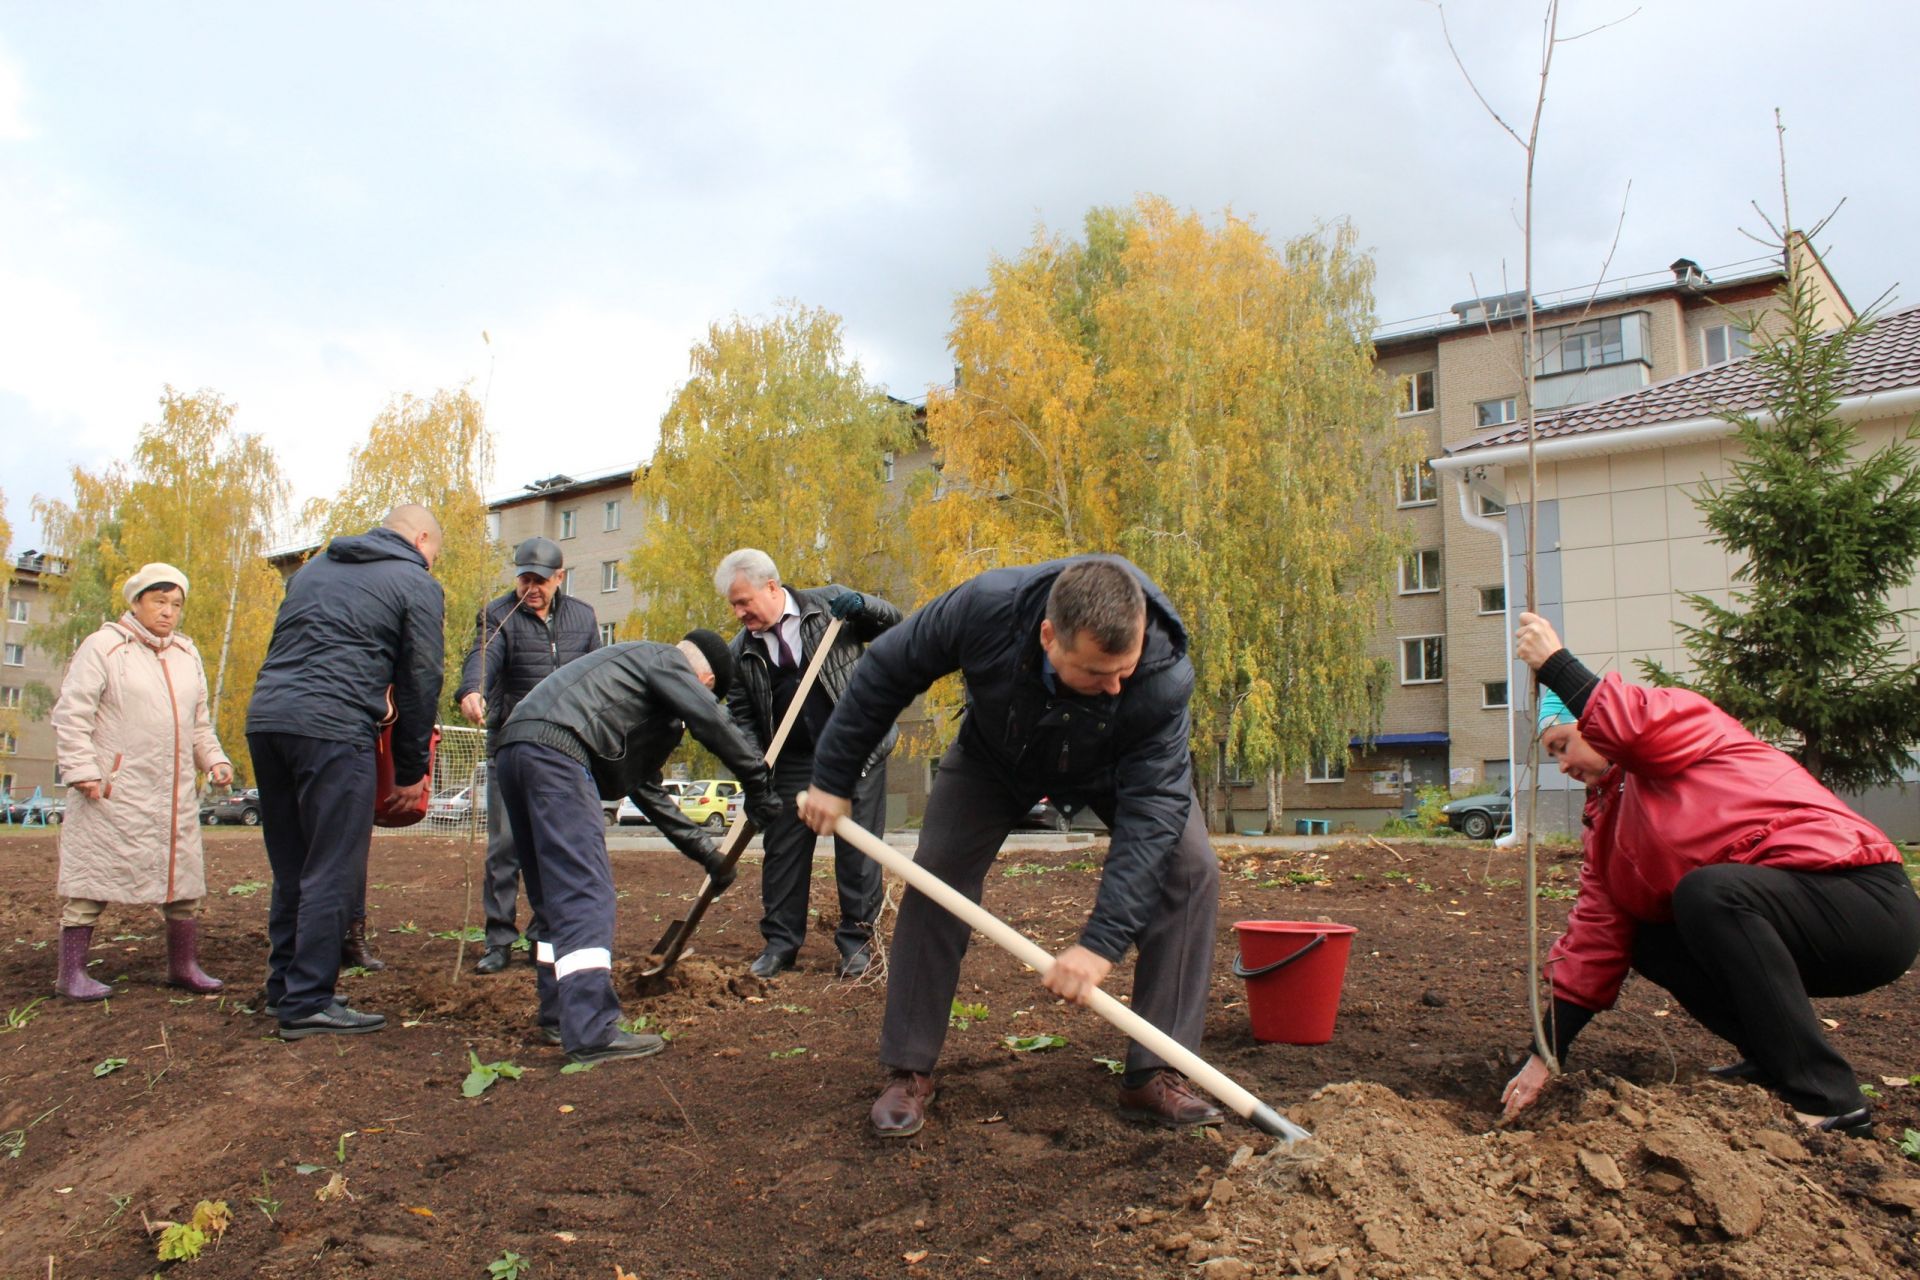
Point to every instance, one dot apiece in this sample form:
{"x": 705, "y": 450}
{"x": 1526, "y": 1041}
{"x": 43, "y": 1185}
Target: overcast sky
{"x": 311, "y": 208}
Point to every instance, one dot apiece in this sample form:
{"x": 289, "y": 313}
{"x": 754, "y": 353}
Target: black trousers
{"x": 1748, "y": 945}
{"x": 316, "y": 812}
{"x": 969, "y": 814}
{"x": 500, "y": 887}
{"x": 553, "y": 809}
{"x": 787, "y": 872}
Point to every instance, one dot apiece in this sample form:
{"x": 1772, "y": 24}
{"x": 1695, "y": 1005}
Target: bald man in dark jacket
{"x": 1077, "y": 685}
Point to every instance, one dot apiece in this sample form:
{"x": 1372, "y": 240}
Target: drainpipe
{"x": 1498, "y": 528}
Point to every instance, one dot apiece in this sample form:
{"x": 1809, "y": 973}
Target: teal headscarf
{"x": 1553, "y": 711}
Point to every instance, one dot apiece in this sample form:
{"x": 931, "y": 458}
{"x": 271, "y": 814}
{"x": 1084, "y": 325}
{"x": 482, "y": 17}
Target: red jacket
{"x": 1690, "y": 787}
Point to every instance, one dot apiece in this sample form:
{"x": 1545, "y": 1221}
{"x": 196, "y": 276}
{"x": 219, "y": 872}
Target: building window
{"x": 569, "y": 524}
{"x": 1493, "y": 599}
{"x": 16, "y": 611}
{"x": 1416, "y": 393}
{"x": 1493, "y": 694}
{"x": 16, "y": 655}
{"x": 609, "y": 575}
{"x": 1420, "y": 660}
{"x": 608, "y": 633}
{"x": 610, "y": 516}
{"x": 493, "y": 526}
{"x": 1328, "y": 769}
{"x": 8, "y": 744}
{"x": 9, "y": 697}
{"x": 1419, "y": 572}
{"x": 1491, "y": 506}
{"x": 6, "y": 783}
{"x": 1496, "y": 413}
{"x": 1415, "y": 485}
{"x": 886, "y": 467}
{"x": 1593, "y": 344}
{"x": 1724, "y": 342}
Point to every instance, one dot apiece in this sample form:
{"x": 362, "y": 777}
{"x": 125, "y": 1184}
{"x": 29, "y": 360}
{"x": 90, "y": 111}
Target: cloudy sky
{"x": 310, "y": 208}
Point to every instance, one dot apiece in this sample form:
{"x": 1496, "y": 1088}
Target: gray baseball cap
{"x": 538, "y": 556}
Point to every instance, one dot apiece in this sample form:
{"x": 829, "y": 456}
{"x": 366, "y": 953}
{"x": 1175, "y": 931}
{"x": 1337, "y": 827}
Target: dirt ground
{"x": 742, "y": 1151}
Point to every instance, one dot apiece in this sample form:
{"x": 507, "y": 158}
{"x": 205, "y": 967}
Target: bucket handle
{"x": 1240, "y": 969}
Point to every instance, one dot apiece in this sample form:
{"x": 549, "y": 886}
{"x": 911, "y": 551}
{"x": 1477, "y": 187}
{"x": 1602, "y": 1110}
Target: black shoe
{"x": 625, "y": 1044}
{"x": 770, "y": 962}
{"x": 549, "y": 1034}
{"x": 1742, "y": 1072}
{"x": 856, "y": 964}
{"x": 492, "y": 960}
{"x": 334, "y": 1020}
{"x": 1854, "y": 1124}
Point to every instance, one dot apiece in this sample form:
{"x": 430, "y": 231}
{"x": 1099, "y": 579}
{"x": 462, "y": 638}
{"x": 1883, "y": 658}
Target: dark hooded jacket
{"x": 514, "y": 649}
{"x": 1125, "y": 755}
{"x": 362, "y": 617}
{"x": 621, "y": 711}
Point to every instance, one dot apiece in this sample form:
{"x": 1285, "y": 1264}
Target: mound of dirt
{"x": 1702, "y": 1179}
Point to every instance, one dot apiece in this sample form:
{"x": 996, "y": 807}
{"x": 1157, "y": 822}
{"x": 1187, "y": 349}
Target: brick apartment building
{"x": 26, "y": 750}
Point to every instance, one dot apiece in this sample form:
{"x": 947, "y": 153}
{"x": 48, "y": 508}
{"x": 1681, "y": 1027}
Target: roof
{"x": 1731, "y": 277}
{"x": 560, "y": 486}
{"x": 1885, "y": 357}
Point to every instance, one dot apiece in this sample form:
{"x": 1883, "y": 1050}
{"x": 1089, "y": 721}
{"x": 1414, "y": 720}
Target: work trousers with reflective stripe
{"x": 553, "y": 810}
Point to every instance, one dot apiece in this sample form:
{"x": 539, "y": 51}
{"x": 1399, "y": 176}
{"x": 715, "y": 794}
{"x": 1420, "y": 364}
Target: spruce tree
{"x": 1808, "y": 653}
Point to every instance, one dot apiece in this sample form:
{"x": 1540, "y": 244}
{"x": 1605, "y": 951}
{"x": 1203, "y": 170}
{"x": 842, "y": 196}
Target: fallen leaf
{"x": 621, "y": 1273}
{"x": 373, "y": 1131}
{"x": 1662, "y": 1013}
{"x": 566, "y": 1108}
{"x": 336, "y": 1188}
{"x": 61, "y": 1191}
{"x": 420, "y": 1209}
{"x": 915, "y": 1258}
{"x": 1895, "y": 1082}
{"x": 995, "y": 1118}
{"x": 1829, "y": 1024}
{"x": 565, "y": 1237}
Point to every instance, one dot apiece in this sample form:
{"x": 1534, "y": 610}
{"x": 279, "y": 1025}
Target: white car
{"x": 629, "y": 815}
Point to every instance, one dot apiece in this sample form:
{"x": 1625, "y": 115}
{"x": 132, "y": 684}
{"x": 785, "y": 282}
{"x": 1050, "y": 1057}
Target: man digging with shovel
{"x": 602, "y": 726}
{"x": 1077, "y": 684}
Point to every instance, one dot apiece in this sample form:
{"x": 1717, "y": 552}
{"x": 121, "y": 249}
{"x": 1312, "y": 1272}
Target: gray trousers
{"x": 969, "y": 814}
{"x": 500, "y": 888}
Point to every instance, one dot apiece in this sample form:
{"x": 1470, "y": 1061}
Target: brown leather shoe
{"x": 1167, "y": 1099}
{"x": 901, "y": 1108}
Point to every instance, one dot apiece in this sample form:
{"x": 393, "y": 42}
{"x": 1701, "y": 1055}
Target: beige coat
{"x": 133, "y": 714}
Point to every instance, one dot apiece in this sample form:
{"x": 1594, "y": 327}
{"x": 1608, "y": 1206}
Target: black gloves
{"x": 763, "y": 811}
{"x": 845, "y": 604}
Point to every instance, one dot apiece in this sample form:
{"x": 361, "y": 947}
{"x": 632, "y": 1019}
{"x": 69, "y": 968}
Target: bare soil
{"x": 742, "y": 1150}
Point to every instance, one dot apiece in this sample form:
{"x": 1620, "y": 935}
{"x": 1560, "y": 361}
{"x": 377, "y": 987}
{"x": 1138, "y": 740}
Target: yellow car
{"x": 712, "y": 802}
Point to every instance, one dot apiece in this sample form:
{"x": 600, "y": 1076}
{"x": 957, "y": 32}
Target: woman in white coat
{"x": 130, "y": 729}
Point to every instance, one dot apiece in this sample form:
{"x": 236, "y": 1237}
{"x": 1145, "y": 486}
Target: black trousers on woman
{"x": 1749, "y": 945}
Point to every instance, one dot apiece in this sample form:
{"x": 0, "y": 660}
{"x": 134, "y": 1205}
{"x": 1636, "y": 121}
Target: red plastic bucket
{"x": 1294, "y": 971}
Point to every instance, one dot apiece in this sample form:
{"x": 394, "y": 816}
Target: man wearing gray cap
{"x": 519, "y": 640}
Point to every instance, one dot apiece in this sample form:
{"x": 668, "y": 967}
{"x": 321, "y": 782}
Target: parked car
{"x": 627, "y": 813}
{"x": 455, "y": 808}
{"x": 36, "y": 811}
{"x": 1477, "y": 817}
{"x": 712, "y": 802}
{"x": 1047, "y": 815}
{"x": 242, "y": 807}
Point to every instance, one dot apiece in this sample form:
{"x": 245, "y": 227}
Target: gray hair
{"x": 753, "y": 562}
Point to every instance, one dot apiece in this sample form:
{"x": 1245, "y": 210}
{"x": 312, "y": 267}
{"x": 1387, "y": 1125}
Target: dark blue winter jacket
{"x": 362, "y": 616}
{"x": 1125, "y": 755}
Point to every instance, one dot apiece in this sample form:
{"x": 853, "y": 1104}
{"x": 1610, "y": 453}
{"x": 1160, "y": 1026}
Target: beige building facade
{"x": 26, "y": 744}
{"x": 1445, "y": 635}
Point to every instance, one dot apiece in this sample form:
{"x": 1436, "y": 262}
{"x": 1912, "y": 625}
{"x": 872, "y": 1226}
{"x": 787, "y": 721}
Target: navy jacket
{"x": 514, "y": 650}
{"x": 1127, "y": 753}
{"x": 361, "y": 617}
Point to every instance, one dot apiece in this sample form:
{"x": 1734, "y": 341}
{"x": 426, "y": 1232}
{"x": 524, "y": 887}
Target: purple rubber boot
{"x": 74, "y": 982}
{"x": 183, "y": 959}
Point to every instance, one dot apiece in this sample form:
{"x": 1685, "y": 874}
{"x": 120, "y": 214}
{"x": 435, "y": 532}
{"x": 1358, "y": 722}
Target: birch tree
{"x": 776, "y": 441}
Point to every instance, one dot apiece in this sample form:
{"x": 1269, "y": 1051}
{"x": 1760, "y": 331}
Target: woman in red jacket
{"x": 1718, "y": 868}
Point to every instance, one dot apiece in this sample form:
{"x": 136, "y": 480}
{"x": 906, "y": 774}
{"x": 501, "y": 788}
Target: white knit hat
{"x": 152, "y": 575}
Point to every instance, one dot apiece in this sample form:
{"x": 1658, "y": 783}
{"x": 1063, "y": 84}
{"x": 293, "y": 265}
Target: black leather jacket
{"x": 621, "y": 711}
{"x": 363, "y": 615}
{"x": 514, "y": 650}
{"x": 750, "y": 701}
{"x": 1127, "y": 753}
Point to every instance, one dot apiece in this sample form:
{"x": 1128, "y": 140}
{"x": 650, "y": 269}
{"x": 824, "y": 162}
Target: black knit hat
{"x": 718, "y": 656}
